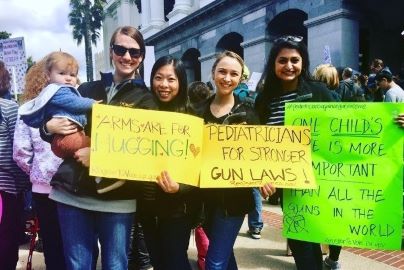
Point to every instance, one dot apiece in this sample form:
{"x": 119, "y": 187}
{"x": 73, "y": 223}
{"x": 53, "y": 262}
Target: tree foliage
{"x": 86, "y": 17}
{"x": 5, "y": 35}
{"x": 30, "y": 62}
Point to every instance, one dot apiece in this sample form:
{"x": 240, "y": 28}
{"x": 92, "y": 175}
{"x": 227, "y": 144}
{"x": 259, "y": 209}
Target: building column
{"x": 182, "y": 8}
{"x": 123, "y": 14}
{"x": 145, "y": 14}
{"x": 206, "y": 67}
{"x": 156, "y": 22}
{"x": 339, "y": 30}
{"x": 256, "y": 53}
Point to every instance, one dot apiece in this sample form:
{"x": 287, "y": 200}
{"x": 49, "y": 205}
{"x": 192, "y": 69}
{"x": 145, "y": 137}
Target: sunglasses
{"x": 121, "y": 51}
{"x": 296, "y": 39}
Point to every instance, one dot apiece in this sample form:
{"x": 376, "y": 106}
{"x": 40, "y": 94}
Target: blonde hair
{"x": 60, "y": 58}
{"x": 327, "y": 74}
{"x": 230, "y": 54}
{"x": 36, "y": 78}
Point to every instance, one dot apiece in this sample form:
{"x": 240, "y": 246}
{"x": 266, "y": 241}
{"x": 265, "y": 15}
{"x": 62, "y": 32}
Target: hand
{"x": 98, "y": 101}
{"x": 400, "y": 120}
{"x": 267, "y": 190}
{"x": 83, "y": 155}
{"x": 62, "y": 126}
{"x": 166, "y": 183}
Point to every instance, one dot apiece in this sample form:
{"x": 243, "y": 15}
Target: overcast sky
{"x": 45, "y": 27}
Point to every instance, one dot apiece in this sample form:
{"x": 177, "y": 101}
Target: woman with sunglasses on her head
{"x": 287, "y": 79}
{"x": 225, "y": 208}
{"x": 167, "y": 210}
{"x": 100, "y": 209}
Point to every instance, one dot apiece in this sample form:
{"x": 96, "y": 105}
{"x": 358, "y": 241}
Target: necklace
{"x": 219, "y": 110}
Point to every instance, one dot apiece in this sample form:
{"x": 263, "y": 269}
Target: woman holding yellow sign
{"x": 168, "y": 210}
{"x": 287, "y": 79}
{"x": 101, "y": 209}
{"x": 226, "y": 207}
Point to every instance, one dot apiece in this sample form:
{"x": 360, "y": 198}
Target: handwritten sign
{"x": 12, "y": 53}
{"x": 253, "y": 81}
{"x": 358, "y": 162}
{"x": 250, "y": 156}
{"x": 138, "y": 144}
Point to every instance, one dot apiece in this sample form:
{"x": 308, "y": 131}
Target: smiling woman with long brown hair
{"x": 100, "y": 209}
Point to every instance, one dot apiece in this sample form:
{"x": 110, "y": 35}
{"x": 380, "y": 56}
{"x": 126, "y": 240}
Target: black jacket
{"x": 71, "y": 175}
{"x": 234, "y": 201}
{"x": 154, "y": 202}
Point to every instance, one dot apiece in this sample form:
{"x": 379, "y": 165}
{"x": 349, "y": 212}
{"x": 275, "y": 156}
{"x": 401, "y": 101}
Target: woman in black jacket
{"x": 225, "y": 208}
{"x": 168, "y": 210}
{"x": 287, "y": 79}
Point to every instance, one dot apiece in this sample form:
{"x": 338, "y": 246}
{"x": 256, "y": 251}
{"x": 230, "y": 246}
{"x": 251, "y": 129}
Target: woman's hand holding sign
{"x": 267, "y": 190}
{"x": 166, "y": 183}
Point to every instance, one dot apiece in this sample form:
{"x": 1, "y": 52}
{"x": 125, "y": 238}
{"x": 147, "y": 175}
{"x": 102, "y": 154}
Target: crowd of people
{"x": 44, "y": 148}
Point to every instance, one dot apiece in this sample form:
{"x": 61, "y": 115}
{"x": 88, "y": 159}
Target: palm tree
{"x": 86, "y": 17}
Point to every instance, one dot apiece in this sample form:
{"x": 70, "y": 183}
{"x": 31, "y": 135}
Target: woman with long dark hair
{"x": 168, "y": 210}
{"x": 287, "y": 79}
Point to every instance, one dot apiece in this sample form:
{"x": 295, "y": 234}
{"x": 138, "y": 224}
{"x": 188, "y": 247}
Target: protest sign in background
{"x": 358, "y": 162}
{"x": 138, "y": 144}
{"x": 12, "y": 53}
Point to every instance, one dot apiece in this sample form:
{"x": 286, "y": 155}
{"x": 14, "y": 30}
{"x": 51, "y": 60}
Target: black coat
{"x": 234, "y": 201}
{"x": 74, "y": 177}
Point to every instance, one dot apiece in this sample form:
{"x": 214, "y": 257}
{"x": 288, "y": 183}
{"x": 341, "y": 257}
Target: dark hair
{"x": 269, "y": 86}
{"x": 130, "y": 32}
{"x": 377, "y": 63}
{"x": 180, "y": 102}
{"x": 271, "y": 82}
{"x": 198, "y": 91}
{"x": 347, "y": 72}
{"x": 363, "y": 78}
{"x": 5, "y": 79}
{"x": 384, "y": 74}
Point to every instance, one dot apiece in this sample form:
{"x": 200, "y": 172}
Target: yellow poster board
{"x": 250, "y": 156}
{"x": 136, "y": 144}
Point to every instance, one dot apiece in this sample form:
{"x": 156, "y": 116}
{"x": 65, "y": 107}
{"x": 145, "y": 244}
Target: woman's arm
{"x": 62, "y": 126}
{"x": 83, "y": 156}
{"x": 57, "y": 125}
{"x": 267, "y": 190}
{"x": 167, "y": 184}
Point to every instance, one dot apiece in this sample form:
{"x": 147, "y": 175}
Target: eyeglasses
{"x": 121, "y": 51}
{"x": 289, "y": 38}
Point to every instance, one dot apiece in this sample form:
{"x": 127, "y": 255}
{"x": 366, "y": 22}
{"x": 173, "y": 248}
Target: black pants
{"x": 307, "y": 255}
{"x": 10, "y": 229}
{"x": 334, "y": 252}
{"x": 138, "y": 256}
{"x": 47, "y": 214}
{"x": 167, "y": 241}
